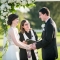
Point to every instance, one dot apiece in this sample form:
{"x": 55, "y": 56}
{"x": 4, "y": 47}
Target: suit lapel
{"x": 44, "y": 32}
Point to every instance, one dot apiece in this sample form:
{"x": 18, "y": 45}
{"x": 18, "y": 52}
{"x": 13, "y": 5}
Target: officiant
{"x": 27, "y": 33}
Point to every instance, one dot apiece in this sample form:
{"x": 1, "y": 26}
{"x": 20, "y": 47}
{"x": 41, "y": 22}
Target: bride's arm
{"x": 17, "y": 42}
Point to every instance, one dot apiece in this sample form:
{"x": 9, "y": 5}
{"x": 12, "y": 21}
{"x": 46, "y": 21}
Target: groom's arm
{"x": 37, "y": 45}
{"x": 47, "y": 40}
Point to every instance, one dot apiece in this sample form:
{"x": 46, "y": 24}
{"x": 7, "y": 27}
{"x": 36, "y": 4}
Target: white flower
{"x": 29, "y": 1}
{"x": 3, "y": 1}
{"x": 43, "y": 25}
{"x": 18, "y": 1}
{"x": 5, "y": 9}
{"x": 2, "y": 6}
{"x": 10, "y": 1}
{"x": 1, "y": 11}
{"x": 7, "y": 6}
{"x": 24, "y": 2}
{"x": 4, "y": 23}
{"x": 5, "y": 13}
{"x": 2, "y": 17}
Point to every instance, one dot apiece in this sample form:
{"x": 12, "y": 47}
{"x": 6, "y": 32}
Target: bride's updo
{"x": 11, "y": 17}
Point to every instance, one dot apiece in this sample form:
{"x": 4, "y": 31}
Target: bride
{"x": 12, "y": 52}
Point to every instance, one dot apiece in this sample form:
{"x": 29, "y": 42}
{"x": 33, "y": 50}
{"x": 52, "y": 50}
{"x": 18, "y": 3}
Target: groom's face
{"x": 42, "y": 16}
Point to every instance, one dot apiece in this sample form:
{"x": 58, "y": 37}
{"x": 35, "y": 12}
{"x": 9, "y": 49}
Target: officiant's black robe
{"x": 23, "y": 53}
{"x": 48, "y": 42}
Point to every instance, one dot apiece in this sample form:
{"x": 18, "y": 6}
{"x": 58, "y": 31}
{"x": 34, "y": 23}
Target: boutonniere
{"x": 43, "y": 27}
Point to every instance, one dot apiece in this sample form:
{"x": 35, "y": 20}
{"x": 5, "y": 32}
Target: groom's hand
{"x": 33, "y": 46}
{"x": 30, "y": 47}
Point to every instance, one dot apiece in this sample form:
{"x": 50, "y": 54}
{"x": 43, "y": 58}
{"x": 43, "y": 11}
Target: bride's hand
{"x": 32, "y": 46}
{"x": 29, "y": 47}
{"x": 24, "y": 42}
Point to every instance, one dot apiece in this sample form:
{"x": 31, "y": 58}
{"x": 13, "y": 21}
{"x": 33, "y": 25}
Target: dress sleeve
{"x": 13, "y": 34}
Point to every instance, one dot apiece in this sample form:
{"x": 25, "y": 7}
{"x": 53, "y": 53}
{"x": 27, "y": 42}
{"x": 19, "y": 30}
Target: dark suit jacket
{"x": 48, "y": 42}
{"x": 23, "y": 53}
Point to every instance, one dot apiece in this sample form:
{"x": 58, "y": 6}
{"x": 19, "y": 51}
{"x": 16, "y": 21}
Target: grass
{"x": 39, "y": 50}
{"x": 1, "y": 43}
{"x": 1, "y": 40}
{"x": 58, "y": 36}
{"x": 0, "y": 55}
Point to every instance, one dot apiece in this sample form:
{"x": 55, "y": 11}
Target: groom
{"x": 48, "y": 42}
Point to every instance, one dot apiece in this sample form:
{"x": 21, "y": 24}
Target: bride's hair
{"x": 11, "y": 17}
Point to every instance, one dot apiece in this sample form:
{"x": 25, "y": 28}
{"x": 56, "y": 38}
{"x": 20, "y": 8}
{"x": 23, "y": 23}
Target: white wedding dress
{"x": 12, "y": 52}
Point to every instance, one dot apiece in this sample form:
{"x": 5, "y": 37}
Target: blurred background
{"x": 32, "y": 15}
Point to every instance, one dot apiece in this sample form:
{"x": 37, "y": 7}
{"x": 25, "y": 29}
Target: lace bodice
{"x": 16, "y": 35}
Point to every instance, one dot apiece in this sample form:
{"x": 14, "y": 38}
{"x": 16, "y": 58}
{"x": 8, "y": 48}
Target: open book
{"x": 29, "y": 41}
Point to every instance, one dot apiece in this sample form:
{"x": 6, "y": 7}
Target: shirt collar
{"x": 47, "y": 20}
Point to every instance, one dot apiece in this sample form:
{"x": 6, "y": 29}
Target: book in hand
{"x": 29, "y": 41}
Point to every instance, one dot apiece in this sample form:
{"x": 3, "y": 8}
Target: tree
{"x": 54, "y": 9}
{"x": 8, "y": 6}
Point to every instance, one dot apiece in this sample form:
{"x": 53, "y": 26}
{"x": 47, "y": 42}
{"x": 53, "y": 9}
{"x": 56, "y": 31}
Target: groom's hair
{"x": 11, "y": 17}
{"x": 45, "y": 10}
